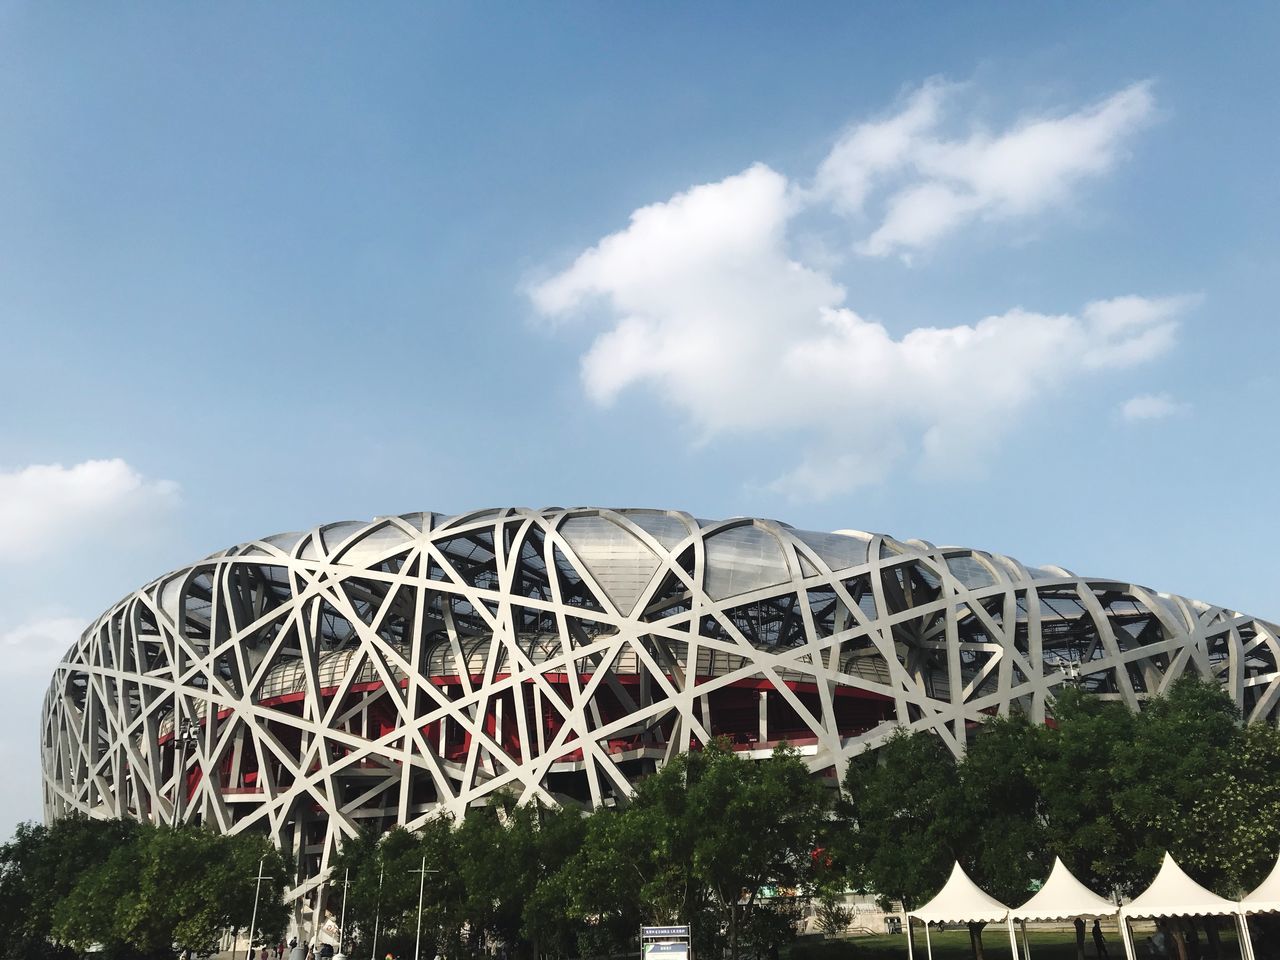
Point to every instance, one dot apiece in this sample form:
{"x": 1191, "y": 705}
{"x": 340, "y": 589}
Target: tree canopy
{"x": 136, "y": 889}
{"x": 1105, "y": 789}
{"x": 731, "y": 846}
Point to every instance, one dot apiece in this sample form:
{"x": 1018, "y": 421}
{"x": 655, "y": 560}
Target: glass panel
{"x": 838, "y": 551}
{"x": 663, "y": 527}
{"x": 373, "y": 546}
{"x": 621, "y": 564}
{"x": 743, "y": 559}
{"x": 970, "y": 572}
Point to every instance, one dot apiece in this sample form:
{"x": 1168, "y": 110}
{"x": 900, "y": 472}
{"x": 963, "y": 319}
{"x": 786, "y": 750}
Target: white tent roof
{"x": 961, "y": 901}
{"x": 1267, "y": 897}
{"x": 1173, "y": 894}
{"x": 1063, "y": 897}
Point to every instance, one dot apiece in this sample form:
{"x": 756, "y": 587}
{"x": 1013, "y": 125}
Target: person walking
{"x": 297, "y": 951}
{"x": 1099, "y": 941}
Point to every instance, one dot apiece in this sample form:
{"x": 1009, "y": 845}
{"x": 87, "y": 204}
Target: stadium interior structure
{"x": 375, "y": 673}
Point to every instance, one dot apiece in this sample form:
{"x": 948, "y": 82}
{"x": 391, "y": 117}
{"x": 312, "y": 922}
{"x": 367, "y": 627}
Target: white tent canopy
{"x": 1173, "y": 894}
{"x": 1266, "y": 898}
{"x": 961, "y": 901}
{"x": 1063, "y": 897}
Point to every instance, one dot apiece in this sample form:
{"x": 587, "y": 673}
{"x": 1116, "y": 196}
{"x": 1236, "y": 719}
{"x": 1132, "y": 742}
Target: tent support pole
{"x": 907, "y": 926}
{"x": 1026, "y": 947}
{"x": 927, "y": 945}
{"x": 1126, "y": 936}
{"x": 1246, "y": 938}
{"x": 1013, "y": 937}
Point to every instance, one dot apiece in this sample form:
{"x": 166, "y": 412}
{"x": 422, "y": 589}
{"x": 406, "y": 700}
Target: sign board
{"x": 666, "y": 951}
{"x": 664, "y": 933}
{"x": 665, "y": 943}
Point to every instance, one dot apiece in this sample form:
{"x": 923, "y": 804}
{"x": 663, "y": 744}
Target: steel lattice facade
{"x": 370, "y": 674}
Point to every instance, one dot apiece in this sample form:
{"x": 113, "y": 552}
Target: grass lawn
{"x": 954, "y": 945}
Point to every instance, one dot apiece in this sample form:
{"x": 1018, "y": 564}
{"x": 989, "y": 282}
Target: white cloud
{"x": 706, "y": 305}
{"x": 45, "y": 506}
{"x": 33, "y": 647}
{"x": 1150, "y": 406}
{"x": 699, "y": 284}
{"x": 870, "y": 150}
{"x": 932, "y": 184}
{"x": 29, "y": 651}
{"x": 58, "y": 525}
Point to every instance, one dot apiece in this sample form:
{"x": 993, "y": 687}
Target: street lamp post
{"x": 252, "y": 923}
{"x": 342, "y": 924}
{"x": 257, "y": 890}
{"x": 377, "y": 916}
{"x": 422, "y": 883}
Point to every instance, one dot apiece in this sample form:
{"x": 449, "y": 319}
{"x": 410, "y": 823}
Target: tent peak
{"x": 961, "y": 901}
{"x": 1172, "y": 893}
{"x": 1266, "y": 897}
{"x": 1063, "y": 897}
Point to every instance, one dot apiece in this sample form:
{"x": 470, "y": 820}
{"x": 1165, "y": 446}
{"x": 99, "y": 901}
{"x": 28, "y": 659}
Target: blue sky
{"x": 993, "y": 274}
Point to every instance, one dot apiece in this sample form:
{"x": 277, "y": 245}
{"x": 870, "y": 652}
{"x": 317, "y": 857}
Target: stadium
{"x": 365, "y": 674}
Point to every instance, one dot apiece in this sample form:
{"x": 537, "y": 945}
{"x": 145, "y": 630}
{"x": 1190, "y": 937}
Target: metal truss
{"x": 371, "y": 674}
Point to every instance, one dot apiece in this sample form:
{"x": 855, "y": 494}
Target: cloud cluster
{"x": 29, "y": 651}
{"x": 46, "y": 506}
{"x": 707, "y": 305}
{"x": 52, "y": 517}
{"x": 33, "y": 647}
{"x": 1150, "y": 406}
{"x": 934, "y": 184}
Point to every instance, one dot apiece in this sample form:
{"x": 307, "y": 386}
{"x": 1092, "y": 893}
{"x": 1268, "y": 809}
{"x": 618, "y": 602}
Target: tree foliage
{"x": 386, "y": 882}
{"x": 492, "y": 877}
{"x": 1107, "y": 790}
{"x": 699, "y": 843}
{"x": 1085, "y": 746}
{"x": 900, "y": 803}
{"x": 731, "y": 846}
{"x": 914, "y": 810}
{"x": 1001, "y": 828}
{"x": 138, "y": 890}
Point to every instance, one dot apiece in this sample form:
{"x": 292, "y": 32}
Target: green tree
{"x": 635, "y": 866}
{"x": 360, "y": 863}
{"x": 546, "y": 926}
{"x": 1239, "y": 810}
{"x": 39, "y": 867}
{"x": 754, "y": 824}
{"x": 385, "y": 883}
{"x": 1184, "y": 756}
{"x": 1000, "y": 836}
{"x": 1119, "y": 789}
{"x": 135, "y": 888}
{"x": 493, "y": 875}
{"x": 833, "y": 916}
{"x": 1182, "y": 744}
{"x": 1004, "y": 843}
{"x": 698, "y": 842}
{"x": 899, "y": 806}
{"x": 911, "y": 811}
{"x": 499, "y": 857}
{"x": 170, "y": 887}
{"x": 1084, "y": 748}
